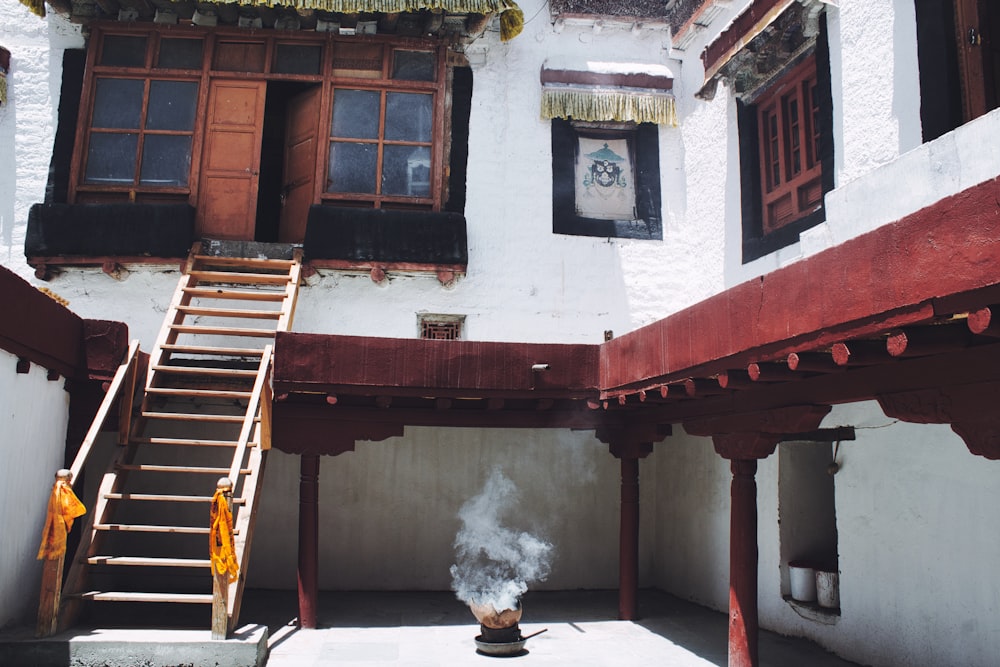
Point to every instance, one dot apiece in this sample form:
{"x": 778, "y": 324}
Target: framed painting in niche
{"x": 605, "y": 179}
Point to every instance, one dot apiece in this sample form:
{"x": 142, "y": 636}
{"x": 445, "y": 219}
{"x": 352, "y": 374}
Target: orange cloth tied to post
{"x": 64, "y": 507}
{"x": 221, "y": 546}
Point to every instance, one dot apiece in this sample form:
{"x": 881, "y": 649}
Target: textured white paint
{"x": 33, "y": 421}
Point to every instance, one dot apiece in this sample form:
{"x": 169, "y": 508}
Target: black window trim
{"x": 648, "y": 224}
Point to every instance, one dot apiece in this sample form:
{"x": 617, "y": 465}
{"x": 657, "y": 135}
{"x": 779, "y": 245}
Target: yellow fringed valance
{"x": 511, "y": 16}
{"x": 595, "y": 104}
{"x": 36, "y": 6}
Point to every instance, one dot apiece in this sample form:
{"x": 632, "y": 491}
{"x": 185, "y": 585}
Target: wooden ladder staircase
{"x": 204, "y": 413}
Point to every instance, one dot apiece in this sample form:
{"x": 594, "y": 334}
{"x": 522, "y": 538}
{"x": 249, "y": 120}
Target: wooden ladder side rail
{"x": 112, "y": 483}
{"x": 252, "y": 414}
{"x": 174, "y": 316}
{"x": 246, "y": 520}
{"x": 291, "y": 294}
{"x": 122, "y": 386}
{"x": 222, "y": 605}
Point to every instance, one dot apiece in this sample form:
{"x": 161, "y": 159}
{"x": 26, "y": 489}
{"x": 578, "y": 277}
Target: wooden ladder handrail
{"x": 122, "y": 386}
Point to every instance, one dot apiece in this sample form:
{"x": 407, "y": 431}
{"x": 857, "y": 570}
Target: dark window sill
{"x": 813, "y": 612}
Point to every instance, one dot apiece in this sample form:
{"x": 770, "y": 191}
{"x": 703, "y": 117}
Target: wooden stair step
{"x": 210, "y": 349}
{"x": 233, "y": 277}
{"x": 231, "y": 312}
{"x": 139, "y": 528}
{"x": 143, "y": 561}
{"x": 149, "y": 467}
{"x": 234, "y": 294}
{"x": 222, "y": 331}
{"x": 205, "y": 370}
{"x": 189, "y": 417}
{"x": 126, "y": 596}
{"x": 198, "y": 393}
{"x": 166, "y": 498}
{"x": 189, "y": 442}
{"x": 263, "y": 262}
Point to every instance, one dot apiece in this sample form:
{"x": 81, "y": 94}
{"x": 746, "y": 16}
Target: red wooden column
{"x": 743, "y": 439}
{"x": 629, "y": 445}
{"x": 743, "y": 625}
{"x": 308, "y": 574}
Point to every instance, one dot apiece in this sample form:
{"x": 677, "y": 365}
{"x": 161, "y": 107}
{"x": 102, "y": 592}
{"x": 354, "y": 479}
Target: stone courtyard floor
{"x": 436, "y": 630}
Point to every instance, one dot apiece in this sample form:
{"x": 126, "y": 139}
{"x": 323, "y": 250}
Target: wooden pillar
{"x": 743, "y": 627}
{"x": 308, "y": 572}
{"x": 628, "y": 540}
{"x": 743, "y": 439}
{"x": 629, "y": 444}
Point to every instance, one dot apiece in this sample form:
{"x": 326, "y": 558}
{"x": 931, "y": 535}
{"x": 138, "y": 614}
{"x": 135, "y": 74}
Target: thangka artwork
{"x": 605, "y": 180}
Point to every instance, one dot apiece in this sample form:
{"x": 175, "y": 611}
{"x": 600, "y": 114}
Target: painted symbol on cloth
{"x": 605, "y": 169}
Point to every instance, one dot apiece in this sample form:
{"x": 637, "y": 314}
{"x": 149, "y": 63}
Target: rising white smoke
{"x": 495, "y": 564}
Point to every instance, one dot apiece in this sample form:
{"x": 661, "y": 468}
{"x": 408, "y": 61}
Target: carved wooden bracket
{"x": 311, "y": 436}
{"x": 755, "y": 435}
{"x": 970, "y": 409}
{"x": 632, "y": 441}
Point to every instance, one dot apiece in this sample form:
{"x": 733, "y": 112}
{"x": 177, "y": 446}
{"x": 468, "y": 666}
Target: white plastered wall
{"x": 33, "y": 423}
{"x": 916, "y": 552}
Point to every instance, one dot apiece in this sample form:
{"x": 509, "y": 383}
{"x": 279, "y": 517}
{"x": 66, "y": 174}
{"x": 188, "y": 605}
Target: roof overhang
{"x": 905, "y": 308}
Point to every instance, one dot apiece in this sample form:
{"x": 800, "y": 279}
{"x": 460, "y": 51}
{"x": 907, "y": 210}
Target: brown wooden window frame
{"x": 383, "y": 82}
{"x": 788, "y": 125}
{"x": 80, "y": 191}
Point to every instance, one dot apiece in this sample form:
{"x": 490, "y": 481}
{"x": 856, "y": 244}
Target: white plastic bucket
{"x": 803, "y": 582}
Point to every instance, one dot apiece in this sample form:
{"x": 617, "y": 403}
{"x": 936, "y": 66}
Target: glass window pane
{"x": 122, "y": 51}
{"x": 408, "y": 117}
{"x": 180, "y": 54}
{"x": 111, "y": 158}
{"x": 166, "y": 160}
{"x": 355, "y": 113}
{"x": 406, "y": 170}
{"x": 352, "y": 168}
{"x": 297, "y": 59}
{"x": 172, "y": 105}
{"x": 414, "y": 65}
{"x": 118, "y": 103}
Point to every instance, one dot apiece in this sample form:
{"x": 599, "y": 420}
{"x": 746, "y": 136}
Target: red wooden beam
{"x": 858, "y": 288}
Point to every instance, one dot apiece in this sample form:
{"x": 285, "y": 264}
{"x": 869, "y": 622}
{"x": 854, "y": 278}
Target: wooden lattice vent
{"x": 441, "y": 327}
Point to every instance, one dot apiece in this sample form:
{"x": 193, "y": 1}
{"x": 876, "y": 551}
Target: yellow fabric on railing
{"x": 596, "y": 104}
{"x": 64, "y": 507}
{"x": 221, "y": 545}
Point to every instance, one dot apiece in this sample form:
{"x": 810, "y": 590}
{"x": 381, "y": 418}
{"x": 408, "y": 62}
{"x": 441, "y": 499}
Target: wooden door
{"x": 299, "y": 174}
{"x": 230, "y": 166}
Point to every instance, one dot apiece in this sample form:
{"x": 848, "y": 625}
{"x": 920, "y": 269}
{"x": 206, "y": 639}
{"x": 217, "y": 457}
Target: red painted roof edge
{"x": 886, "y": 277}
{"x": 36, "y": 327}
